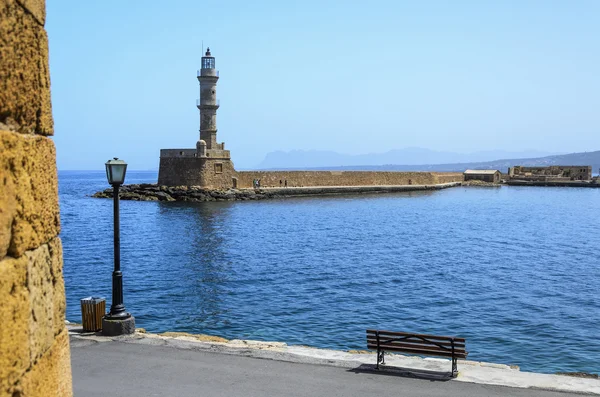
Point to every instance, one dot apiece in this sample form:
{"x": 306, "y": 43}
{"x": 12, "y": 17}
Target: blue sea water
{"x": 515, "y": 270}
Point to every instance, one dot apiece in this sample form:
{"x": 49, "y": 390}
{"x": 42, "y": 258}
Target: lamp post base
{"x": 115, "y": 327}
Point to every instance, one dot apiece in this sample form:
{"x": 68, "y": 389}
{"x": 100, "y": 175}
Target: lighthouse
{"x": 209, "y": 164}
{"x": 208, "y": 103}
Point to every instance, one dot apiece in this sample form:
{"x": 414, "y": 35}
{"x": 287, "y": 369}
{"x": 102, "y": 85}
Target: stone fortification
{"x": 213, "y": 173}
{"x": 556, "y": 173}
{"x": 343, "y": 178}
{"x": 34, "y": 344}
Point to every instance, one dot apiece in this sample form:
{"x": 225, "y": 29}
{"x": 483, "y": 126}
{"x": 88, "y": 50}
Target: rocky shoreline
{"x": 477, "y": 183}
{"x": 154, "y": 192}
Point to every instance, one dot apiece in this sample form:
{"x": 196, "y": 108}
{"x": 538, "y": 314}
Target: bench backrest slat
{"x": 416, "y": 343}
{"x": 401, "y": 347}
{"x": 431, "y": 337}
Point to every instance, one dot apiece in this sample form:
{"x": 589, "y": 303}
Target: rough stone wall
{"x": 190, "y": 171}
{"x": 34, "y": 343}
{"x": 344, "y": 178}
{"x": 448, "y": 177}
{"x": 180, "y": 171}
{"x": 573, "y": 172}
{"x": 218, "y": 180}
{"x": 178, "y": 153}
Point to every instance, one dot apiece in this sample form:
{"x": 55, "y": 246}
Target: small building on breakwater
{"x": 491, "y": 176}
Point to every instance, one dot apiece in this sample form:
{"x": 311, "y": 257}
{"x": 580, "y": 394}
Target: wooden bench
{"x": 424, "y": 345}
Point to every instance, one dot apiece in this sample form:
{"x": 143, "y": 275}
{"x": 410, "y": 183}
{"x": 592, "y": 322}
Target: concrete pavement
{"x": 146, "y": 365}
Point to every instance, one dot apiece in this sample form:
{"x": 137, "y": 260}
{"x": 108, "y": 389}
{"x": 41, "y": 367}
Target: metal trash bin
{"x": 92, "y": 311}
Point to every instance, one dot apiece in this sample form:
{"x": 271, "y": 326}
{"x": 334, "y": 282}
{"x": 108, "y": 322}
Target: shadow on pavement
{"x": 403, "y": 372}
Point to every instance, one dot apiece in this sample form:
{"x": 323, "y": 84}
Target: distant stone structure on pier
{"x": 554, "y": 173}
{"x": 209, "y": 165}
{"x": 491, "y": 176}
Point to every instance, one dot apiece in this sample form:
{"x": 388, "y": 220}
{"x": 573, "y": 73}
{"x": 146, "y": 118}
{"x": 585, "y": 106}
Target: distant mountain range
{"x": 406, "y": 156}
{"x": 417, "y": 159}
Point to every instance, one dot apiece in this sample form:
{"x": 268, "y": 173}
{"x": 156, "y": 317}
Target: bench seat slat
{"x": 424, "y": 352}
{"x": 416, "y": 341}
{"x": 432, "y": 337}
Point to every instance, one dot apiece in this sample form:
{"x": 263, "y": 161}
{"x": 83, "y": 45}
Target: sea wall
{"x": 343, "y": 178}
{"x": 448, "y": 177}
{"x": 34, "y": 343}
{"x": 592, "y": 184}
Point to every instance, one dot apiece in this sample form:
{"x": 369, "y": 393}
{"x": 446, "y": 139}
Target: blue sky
{"x": 354, "y": 77}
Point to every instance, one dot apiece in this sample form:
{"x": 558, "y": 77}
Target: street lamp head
{"x": 115, "y": 171}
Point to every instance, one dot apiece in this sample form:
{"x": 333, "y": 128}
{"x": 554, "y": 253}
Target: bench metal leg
{"x": 380, "y": 357}
{"x": 454, "y": 368}
{"x": 380, "y": 352}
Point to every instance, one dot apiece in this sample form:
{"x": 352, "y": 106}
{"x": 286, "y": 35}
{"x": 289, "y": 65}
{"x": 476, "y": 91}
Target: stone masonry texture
{"x": 34, "y": 343}
{"x": 177, "y": 171}
{"x": 196, "y": 171}
{"x": 29, "y": 215}
{"x": 344, "y": 178}
{"x": 24, "y": 75}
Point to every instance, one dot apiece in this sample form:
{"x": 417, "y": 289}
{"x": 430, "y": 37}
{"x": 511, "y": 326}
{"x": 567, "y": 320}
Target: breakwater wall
{"x": 153, "y": 192}
{"x": 553, "y": 183}
{"x": 344, "y": 178}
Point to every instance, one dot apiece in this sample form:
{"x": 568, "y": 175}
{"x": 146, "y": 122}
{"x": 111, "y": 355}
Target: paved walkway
{"x": 146, "y": 367}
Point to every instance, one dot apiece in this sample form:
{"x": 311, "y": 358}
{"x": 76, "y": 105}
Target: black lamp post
{"x": 118, "y": 321}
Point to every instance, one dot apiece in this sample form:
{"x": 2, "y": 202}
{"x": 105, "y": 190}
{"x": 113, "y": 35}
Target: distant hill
{"x": 408, "y": 156}
{"x": 583, "y": 158}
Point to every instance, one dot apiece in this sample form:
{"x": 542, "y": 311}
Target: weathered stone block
{"x": 58, "y": 284}
{"x": 30, "y": 203}
{"x": 51, "y": 375}
{"x": 37, "y": 8}
{"x": 8, "y": 206}
{"x": 41, "y": 300}
{"x": 25, "y": 104}
{"x": 14, "y": 326}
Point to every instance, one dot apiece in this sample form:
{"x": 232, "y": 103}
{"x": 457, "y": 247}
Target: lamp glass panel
{"x": 118, "y": 173}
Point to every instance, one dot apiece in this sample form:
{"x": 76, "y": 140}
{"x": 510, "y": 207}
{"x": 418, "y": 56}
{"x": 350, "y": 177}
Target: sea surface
{"x": 515, "y": 270}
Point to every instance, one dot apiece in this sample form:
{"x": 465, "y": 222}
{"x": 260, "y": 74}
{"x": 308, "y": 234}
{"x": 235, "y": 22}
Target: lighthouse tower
{"x": 208, "y": 104}
{"x": 209, "y": 164}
